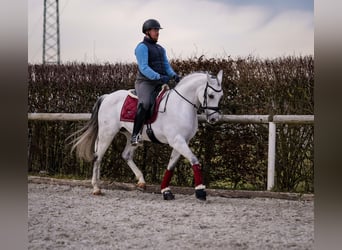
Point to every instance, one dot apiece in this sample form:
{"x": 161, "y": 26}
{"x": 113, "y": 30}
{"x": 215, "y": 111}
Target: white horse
{"x": 175, "y": 125}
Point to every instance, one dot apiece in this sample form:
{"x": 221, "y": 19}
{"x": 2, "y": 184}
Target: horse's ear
{"x": 219, "y": 76}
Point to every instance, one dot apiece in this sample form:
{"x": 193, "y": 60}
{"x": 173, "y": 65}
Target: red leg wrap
{"x": 166, "y": 179}
{"x": 197, "y": 174}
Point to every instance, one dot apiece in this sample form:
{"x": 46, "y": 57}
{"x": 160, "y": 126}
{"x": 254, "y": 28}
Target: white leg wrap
{"x": 201, "y": 186}
{"x": 165, "y": 189}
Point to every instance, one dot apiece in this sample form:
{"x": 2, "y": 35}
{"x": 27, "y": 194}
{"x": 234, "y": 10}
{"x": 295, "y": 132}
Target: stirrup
{"x": 135, "y": 140}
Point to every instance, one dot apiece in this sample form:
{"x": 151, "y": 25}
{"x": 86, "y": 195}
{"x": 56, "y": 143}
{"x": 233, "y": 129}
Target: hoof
{"x": 201, "y": 194}
{"x": 141, "y": 186}
{"x": 97, "y": 192}
{"x": 168, "y": 195}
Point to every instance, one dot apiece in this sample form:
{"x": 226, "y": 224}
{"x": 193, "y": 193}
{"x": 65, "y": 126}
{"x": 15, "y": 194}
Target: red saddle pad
{"x": 129, "y": 108}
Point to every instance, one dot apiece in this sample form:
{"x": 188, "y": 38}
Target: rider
{"x": 154, "y": 69}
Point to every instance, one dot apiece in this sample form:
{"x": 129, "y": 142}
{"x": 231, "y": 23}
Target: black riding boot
{"x": 139, "y": 121}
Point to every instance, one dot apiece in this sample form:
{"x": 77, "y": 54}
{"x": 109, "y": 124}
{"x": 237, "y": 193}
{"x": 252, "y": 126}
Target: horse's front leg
{"x": 181, "y": 145}
{"x": 164, "y": 187}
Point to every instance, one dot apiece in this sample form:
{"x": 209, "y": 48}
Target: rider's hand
{"x": 164, "y": 78}
{"x": 176, "y": 78}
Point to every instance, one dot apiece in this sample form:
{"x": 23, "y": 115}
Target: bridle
{"x": 205, "y": 106}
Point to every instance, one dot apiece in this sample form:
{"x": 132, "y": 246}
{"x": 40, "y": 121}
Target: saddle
{"x": 130, "y": 105}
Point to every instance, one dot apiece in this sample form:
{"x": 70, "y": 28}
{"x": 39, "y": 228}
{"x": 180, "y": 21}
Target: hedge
{"x": 233, "y": 156}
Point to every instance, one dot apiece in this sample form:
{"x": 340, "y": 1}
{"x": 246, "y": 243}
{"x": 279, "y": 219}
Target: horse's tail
{"x": 84, "y": 143}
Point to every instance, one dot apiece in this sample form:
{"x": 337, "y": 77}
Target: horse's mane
{"x": 194, "y": 73}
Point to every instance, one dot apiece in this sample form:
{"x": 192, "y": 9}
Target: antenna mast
{"x": 51, "y": 50}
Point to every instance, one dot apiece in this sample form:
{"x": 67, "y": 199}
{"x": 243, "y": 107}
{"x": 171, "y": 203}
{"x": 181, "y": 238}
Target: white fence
{"x": 271, "y": 120}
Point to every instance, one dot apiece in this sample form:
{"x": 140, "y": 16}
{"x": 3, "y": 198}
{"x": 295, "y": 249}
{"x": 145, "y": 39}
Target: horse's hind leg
{"x": 164, "y": 187}
{"x": 128, "y": 155}
{"x": 101, "y": 145}
{"x": 96, "y": 175}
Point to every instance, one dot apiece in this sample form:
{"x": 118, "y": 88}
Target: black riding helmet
{"x": 150, "y": 24}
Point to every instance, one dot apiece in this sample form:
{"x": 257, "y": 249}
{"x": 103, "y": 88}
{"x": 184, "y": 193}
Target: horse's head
{"x": 211, "y": 96}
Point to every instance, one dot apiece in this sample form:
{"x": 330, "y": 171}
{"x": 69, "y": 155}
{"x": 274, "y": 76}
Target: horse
{"x": 176, "y": 125}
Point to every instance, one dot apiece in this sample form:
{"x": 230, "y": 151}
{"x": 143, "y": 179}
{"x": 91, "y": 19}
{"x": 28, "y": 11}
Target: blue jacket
{"x": 152, "y": 60}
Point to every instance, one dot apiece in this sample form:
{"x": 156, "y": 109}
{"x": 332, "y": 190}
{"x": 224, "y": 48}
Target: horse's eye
{"x": 211, "y": 96}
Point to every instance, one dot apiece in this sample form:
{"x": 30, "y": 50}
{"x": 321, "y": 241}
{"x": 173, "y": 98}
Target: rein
{"x": 186, "y": 99}
{"x": 204, "y": 107}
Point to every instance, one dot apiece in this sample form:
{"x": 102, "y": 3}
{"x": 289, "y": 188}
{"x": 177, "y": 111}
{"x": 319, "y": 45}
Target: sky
{"x": 107, "y": 31}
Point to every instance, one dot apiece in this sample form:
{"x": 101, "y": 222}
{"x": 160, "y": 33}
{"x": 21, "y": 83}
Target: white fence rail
{"x": 271, "y": 120}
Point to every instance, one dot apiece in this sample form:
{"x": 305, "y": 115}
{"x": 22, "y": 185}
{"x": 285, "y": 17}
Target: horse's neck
{"x": 190, "y": 89}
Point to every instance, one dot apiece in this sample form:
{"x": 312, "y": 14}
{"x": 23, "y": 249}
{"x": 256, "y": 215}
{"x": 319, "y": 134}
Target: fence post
{"x": 271, "y": 154}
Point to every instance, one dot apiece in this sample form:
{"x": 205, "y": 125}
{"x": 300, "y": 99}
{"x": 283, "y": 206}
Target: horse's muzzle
{"x": 212, "y": 120}
{"x": 214, "y": 116}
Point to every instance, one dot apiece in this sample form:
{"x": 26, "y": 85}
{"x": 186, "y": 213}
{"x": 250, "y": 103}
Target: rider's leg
{"x": 144, "y": 90}
{"x": 139, "y": 121}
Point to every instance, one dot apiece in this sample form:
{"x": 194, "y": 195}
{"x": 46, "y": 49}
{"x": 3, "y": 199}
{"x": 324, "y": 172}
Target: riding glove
{"x": 164, "y": 78}
{"x": 176, "y": 78}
